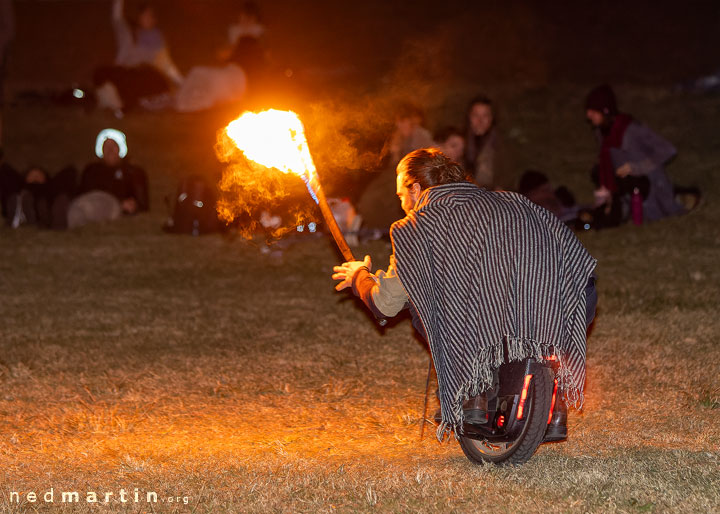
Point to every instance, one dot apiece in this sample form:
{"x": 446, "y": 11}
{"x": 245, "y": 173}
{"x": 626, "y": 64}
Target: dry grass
{"x": 193, "y": 368}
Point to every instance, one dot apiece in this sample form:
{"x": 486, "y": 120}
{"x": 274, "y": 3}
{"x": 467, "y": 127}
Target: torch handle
{"x": 332, "y": 224}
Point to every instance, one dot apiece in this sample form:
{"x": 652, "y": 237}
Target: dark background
{"x": 535, "y": 43}
{"x": 350, "y": 63}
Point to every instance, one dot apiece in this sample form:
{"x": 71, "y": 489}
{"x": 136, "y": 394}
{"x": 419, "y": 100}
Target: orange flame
{"x": 264, "y": 153}
{"x": 274, "y": 139}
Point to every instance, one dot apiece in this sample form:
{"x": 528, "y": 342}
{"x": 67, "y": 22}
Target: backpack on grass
{"x": 194, "y": 210}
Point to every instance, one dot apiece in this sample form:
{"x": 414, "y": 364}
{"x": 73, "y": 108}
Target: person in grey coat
{"x": 631, "y": 156}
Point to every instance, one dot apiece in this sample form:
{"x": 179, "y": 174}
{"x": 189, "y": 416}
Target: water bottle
{"x": 636, "y": 207}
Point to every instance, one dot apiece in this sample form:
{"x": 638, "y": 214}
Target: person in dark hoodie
{"x": 35, "y": 197}
{"x": 631, "y": 157}
{"x": 110, "y": 186}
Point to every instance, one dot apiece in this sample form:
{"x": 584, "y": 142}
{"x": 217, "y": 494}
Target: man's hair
{"x": 430, "y": 167}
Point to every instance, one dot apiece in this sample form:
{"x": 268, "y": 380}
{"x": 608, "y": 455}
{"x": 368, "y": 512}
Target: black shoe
{"x": 475, "y": 416}
{"x": 472, "y": 416}
{"x": 557, "y": 428}
{"x": 475, "y": 410}
{"x": 689, "y": 197}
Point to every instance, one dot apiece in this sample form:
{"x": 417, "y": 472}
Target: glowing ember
{"x": 274, "y": 139}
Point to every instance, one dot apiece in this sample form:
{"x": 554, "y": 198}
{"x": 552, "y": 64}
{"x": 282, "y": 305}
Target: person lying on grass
{"x": 480, "y": 271}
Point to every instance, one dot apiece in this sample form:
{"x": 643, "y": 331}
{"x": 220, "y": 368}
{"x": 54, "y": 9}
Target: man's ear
{"x": 416, "y": 190}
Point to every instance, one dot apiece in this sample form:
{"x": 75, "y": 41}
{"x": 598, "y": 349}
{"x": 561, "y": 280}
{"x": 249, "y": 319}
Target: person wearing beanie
{"x": 631, "y": 157}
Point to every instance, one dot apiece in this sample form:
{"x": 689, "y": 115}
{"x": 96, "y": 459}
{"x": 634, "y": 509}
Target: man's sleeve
{"x": 382, "y": 293}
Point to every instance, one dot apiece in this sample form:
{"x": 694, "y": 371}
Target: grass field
{"x": 225, "y": 381}
{"x": 198, "y": 369}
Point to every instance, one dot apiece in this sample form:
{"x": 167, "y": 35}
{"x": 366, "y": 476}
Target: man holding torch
{"x": 482, "y": 273}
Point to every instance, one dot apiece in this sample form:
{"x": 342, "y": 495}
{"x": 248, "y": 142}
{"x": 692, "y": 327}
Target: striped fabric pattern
{"x": 487, "y": 271}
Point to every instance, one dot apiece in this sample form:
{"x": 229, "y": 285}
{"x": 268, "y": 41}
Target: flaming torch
{"x": 276, "y": 139}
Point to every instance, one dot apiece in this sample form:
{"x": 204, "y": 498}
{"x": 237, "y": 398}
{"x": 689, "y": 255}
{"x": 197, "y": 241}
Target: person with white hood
{"x": 111, "y": 186}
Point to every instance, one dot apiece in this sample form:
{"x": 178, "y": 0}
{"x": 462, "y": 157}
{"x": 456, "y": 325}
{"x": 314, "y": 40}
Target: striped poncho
{"x": 483, "y": 269}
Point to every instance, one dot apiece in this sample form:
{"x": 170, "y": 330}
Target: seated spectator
{"x": 451, "y": 142}
{"x": 378, "y": 205}
{"x": 559, "y": 200}
{"x": 124, "y": 186}
{"x": 32, "y": 204}
{"x": 245, "y": 47}
{"x": 631, "y": 157}
{"x": 247, "y": 24}
{"x": 348, "y": 220}
{"x": 409, "y": 134}
{"x": 208, "y": 86}
{"x": 10, "y": 184}
{"x": 37, "y": 198}
{"x": 143, "y": 69}
{"x": 243, "y": 63}
{"x": 485, "y": 158}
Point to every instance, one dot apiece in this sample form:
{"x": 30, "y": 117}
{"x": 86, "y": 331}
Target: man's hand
{"x": 347, "y": 270}
{"x": 624, "y": 170}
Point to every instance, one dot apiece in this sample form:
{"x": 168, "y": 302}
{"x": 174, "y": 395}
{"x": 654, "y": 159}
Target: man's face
{"x": 407, "y": 196}
{"x": 454, "y": 147}
{"x": 111, "y": 153}
{"x": 481, "y": 119}
{"x": 596, "y": 118}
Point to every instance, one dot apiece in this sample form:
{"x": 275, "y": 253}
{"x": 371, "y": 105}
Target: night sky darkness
{"x": 61, "y": 41}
